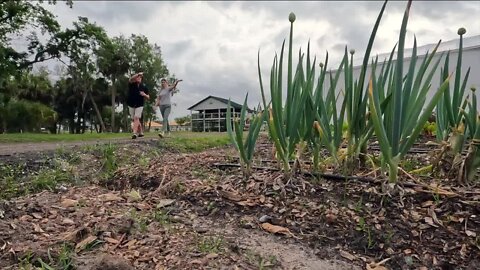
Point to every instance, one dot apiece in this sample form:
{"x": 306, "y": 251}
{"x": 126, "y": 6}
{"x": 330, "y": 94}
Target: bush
{"x": 26, "y": 116}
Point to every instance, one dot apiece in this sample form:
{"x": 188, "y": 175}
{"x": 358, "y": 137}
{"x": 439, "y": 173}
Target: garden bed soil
{"x": 183, "y": 211}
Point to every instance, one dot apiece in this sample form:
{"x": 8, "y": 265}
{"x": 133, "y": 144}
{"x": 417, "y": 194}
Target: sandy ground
{"x": 7, "y": 149}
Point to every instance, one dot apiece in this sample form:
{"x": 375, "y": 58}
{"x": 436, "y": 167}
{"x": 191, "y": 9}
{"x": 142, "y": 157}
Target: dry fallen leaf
{"x": 67, "y": 221}
{"x": 37, "y": 228}
{"x": 276, "y": 229}
{"x": 429, "y": 221}
{"x": 330, "y": 218}
{"x": 273, "y": 228}
{"x": 76, "y": 235}
{"x": 247, "y": 203}
{"x": 130, "y": 244}
{"x": 25, "y": 218}
{"x": 142, "y": 206}
{"x": 110, "y": 197}
{"x": 415, "y": 215}
{"x": 456, "y": 219}
{"x": 377, "y": 266}
{"x": 80, "y": 246}
{"x": 211, "y": 256}
{"x": 197, "y": 261}
{"x": 165, "y": 202}
{"x": 262, "y": 199}
{"x": 427, "y": 204}
{"x": 432, "y": 213}
{"x": 111, "y": 240}
{"x": 470, "y": 233}
{"x": 232, "y": 196}
{"x": 69, "y": 203}
{"x": 37, "y": 215}
{"x": 463, "y": 251}
{"x": 347, "y": 255}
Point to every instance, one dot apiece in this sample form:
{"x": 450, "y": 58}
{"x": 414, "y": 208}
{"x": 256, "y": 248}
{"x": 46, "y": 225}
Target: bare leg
{"x": 136, "y": 124}
{"x": 133, "y": 123}
{"x": 140, "y": 127}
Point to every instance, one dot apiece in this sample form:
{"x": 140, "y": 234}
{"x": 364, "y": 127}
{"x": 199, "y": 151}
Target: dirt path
{"x": 7, "y": 149}
{"x": 171, "y": 228}
{"x": 176, "y": 243}
{"x": 182, "y": 211}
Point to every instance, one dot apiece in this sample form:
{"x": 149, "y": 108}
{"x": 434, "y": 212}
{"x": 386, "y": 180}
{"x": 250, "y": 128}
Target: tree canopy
{"x": 93, "y": 70}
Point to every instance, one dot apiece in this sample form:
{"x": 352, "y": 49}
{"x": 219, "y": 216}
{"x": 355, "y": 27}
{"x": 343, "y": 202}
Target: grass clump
{"x": 211, "y": 244}
{"x": 185, "y": 143}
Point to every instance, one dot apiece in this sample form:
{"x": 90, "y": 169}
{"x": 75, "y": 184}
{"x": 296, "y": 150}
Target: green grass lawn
{"x": 38, "y": 137}
{"x": 112, "y": 156}
{"x": 195, "y": 141}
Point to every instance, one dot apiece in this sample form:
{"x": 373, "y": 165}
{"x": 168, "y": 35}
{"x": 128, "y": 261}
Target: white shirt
{"x": 165, "y": 95}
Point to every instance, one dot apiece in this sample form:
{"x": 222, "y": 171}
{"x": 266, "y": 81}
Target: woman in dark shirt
{"x": 137, "y": 92}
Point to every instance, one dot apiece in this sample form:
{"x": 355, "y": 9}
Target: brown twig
{"x": 436, "y": 190}
{"x": 119, "y": 241}
{"x": 357, "y": 178}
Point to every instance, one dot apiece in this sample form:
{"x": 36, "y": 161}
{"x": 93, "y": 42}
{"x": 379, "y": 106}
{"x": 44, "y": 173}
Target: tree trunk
{"x": 58, "y": 128}
{"x": 4, "y": 126}
{"x": 99, "y": 116}
{"x": 125, "y": 117}
{"x": 114, "y": 94}
{"x": 84, "y": 122}
{"x": 53, "y": 128}
{"x": 78, "y": 123}
{"x": 149, "y": 124}
{"x": 71, "y": 121}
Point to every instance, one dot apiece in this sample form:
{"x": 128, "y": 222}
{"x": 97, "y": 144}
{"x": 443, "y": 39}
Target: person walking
{"x": 137, "y": 93}
{"x": 165, "y": 104}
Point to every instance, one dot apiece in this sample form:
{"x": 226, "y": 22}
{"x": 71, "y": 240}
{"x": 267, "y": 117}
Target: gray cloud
{"x": 179, "y": 47}
{"x": 112, "y": 11}
{"x": 442, "y": 9}
{"x": 213, "y": 46}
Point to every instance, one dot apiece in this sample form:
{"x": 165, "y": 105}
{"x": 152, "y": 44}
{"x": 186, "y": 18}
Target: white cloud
{"x": 213, "y": 46}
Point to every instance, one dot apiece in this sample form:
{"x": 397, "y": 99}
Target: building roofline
{"x": 384, "y": 56}
{"x": 223, "y": 100}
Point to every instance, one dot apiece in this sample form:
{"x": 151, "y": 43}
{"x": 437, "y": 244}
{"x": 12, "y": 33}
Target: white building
{"x": 212, "y": 114}
{"x": 471, "y": 58}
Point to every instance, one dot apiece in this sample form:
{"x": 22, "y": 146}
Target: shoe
{"x": 134, "y": 136}
{"x": 141, "y": 135}
{"x": 160, "y": 135}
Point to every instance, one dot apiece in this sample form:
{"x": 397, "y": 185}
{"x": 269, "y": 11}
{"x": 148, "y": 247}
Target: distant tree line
{"x": 92, "y": 73}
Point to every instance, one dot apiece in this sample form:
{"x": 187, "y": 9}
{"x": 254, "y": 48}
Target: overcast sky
{"x": 213, "y": 46}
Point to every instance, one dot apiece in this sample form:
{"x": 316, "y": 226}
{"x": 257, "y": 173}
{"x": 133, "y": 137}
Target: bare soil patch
{"x": 9, "y": 149}
{"x": 183, "y": 211}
